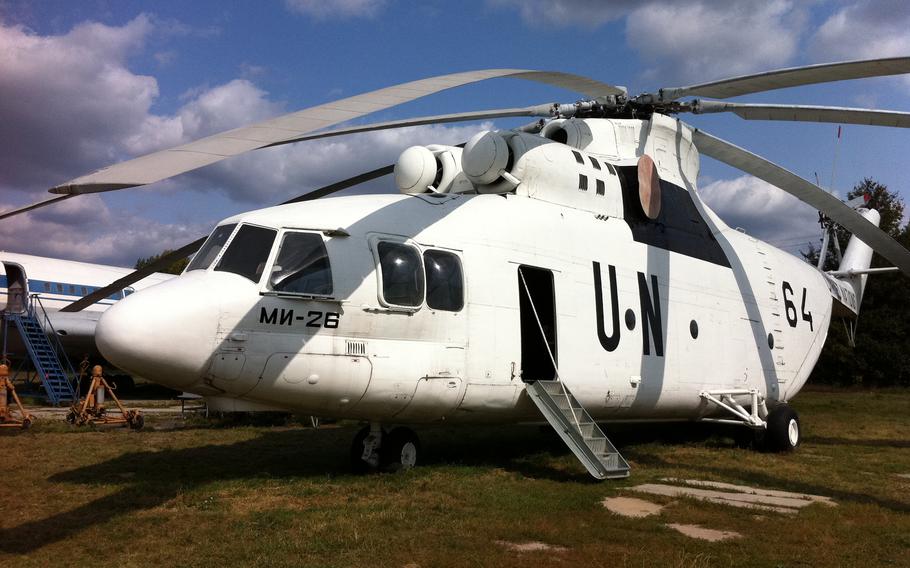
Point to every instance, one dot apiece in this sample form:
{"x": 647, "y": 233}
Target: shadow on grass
{"x": 878, "y": 443}
{"x": 151, "y": 478}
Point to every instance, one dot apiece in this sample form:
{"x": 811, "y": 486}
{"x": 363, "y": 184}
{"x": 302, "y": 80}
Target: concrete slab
{"x": 702, "y": 533}
{"x": 631, "y": 507}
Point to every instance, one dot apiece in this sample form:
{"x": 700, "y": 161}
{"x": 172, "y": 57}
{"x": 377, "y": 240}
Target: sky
{"x": 90, "y": 83}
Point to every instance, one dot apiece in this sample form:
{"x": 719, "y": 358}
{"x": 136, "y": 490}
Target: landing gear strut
{"x": 375, "y": 449}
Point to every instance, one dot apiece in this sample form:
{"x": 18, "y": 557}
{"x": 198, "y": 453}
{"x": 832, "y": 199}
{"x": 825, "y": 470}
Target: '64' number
{"x": 790, "y": 307}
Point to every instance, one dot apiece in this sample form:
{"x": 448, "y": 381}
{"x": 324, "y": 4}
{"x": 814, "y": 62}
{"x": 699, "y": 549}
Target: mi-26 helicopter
{"x": 565, "y": 271}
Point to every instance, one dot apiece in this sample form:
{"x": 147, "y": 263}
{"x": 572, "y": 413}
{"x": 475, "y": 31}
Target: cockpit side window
{"x": 445, "y": 281}
{"x": 302, "y": 266}
{"x": 248, "y": 252}
{"x": 402, "y": 275}
{"x": 212, "y": 246}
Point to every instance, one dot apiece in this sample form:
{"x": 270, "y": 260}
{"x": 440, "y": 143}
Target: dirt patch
{"x": 631, "y": 507}
{"x": 531, "y": 546}
{"x": 700, "y": 532}
{"x": 904, "y": 475}
{"x": 734, "y": 495}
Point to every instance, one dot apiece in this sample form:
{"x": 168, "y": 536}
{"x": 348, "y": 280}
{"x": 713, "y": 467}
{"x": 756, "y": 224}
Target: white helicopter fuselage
{"x": 638, "y": 317}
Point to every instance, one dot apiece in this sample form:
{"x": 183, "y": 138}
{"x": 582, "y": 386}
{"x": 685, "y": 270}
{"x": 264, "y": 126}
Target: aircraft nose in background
{"x": 161, "y": 335}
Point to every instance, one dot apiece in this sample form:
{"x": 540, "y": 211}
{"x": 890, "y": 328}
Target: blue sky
{"x": 85, "y": 84}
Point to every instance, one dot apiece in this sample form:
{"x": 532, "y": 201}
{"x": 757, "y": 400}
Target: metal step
{"x": 45, "y": 358}
{"x": 577, "y": 429}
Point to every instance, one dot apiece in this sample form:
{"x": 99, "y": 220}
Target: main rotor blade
{"x": 192, "y": 247}
{"x": 790, "y": 77}
{"x": 27, "y": 208}
{"x": 167, "y": 163}
{"x": 807, "y": 113}
{"x": 807, "y": 192}
{"x": 539, "y": 110}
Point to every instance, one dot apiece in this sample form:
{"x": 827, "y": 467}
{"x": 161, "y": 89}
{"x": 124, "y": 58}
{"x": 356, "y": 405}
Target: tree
{"x": 881, "y": 356}
{"x": 175, "y": 267}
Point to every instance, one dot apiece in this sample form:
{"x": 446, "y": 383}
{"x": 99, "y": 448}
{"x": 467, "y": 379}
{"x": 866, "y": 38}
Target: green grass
{"x": 266, "y": 495}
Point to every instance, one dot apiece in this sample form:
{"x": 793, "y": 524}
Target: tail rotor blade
{"x": 807, "y": 192}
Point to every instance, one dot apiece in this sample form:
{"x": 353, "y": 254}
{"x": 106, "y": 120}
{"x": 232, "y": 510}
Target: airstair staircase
{"x": 48, "y": 357}
{"x": 577, "y": 429}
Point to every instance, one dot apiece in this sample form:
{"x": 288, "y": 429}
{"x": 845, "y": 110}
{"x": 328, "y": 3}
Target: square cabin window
{"x": 445, "y": 281}
{"x": 402, "y": 275}
{"x": 302, "y": 266}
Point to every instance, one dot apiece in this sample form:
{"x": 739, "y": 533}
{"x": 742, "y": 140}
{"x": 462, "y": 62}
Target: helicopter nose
{"x": 159, "y": 335}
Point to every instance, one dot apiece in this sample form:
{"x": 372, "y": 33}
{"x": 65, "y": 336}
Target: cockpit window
{"x": 402, "y": 277}
{"x": 302, "y": 266}
{"x": 248, "y": 252}
{"x": 445, "y": 283}
{"x": 211, "y": 248}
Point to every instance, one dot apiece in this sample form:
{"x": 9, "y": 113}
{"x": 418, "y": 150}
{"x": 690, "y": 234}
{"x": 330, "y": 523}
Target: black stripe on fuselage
{"x": 678, "y": 228}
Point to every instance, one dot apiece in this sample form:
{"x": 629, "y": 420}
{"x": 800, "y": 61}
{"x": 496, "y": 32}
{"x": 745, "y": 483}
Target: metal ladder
{"x": 48, "y": 357}
{"x": 577, "y": 429}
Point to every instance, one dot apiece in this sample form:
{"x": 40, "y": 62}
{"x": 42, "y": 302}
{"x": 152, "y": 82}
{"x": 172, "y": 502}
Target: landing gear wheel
{"x": 136, "y": 420}
{"x": 400, "y": 450}
{"x": 358, "y": 464}
{"x": 783, "y": 432}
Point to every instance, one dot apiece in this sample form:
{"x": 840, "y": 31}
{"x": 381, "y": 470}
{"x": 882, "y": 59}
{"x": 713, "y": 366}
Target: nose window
{"x": 302, "y": 266}
{"x": 445, "y": 284}
{"x": 248, "y": 252}
{"x": 402, "y": 277}
{"x": 211, "y": 247}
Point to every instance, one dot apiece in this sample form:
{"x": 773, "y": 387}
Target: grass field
{"x": 213, "y": 495}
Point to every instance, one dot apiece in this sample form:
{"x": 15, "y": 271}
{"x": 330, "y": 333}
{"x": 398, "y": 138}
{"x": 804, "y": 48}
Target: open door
{"x": 17, "y": 288}
{"x": 537, "y": 304}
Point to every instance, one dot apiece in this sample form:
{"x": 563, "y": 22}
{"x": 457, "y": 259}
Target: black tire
{"x": 400, "y": 450}
{"x": 358, "y": 465}
{"x": 783, "y": 432}
{"x": 137, "y": 422}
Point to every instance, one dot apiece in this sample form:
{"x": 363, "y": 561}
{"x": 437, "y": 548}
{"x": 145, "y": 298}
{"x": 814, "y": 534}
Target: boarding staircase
{"x": 46, "y": 354}
{"x": 577, "y": 429}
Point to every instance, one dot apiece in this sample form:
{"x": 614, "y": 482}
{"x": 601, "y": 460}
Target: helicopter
{"x": 565, "y": 272}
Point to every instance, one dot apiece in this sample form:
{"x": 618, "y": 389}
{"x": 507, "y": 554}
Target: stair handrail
{"x": 56, "y": 344}
{"x": 543, "y": 334}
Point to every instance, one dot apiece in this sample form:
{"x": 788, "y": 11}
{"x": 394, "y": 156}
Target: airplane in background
{"x": 58, "y": 283}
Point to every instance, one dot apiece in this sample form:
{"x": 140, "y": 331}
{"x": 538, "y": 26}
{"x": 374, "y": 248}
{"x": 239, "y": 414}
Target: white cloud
{"x": 70, "y": 104}
{"x": 864, "y": 30}
{"x": 331, "y": 9}
{"x": 696, "y": 41}
{"x": 587, "y": 13}
{"x": 84, "y": 228}
{"x": 763, "y": 210}
{"x": 66, "y": 101}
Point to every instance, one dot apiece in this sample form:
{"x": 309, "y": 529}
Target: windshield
{"x": 248, "y": 252}
{"x": 302, "y": 266}
{"x": 211, "y": 248}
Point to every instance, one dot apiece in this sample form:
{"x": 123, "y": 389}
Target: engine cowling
{"x": 431, "y": 169}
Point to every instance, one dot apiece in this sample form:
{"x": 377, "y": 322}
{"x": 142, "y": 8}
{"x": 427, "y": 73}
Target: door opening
{"x": 16, "y": 288}
{"x": 538, "y": 339}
